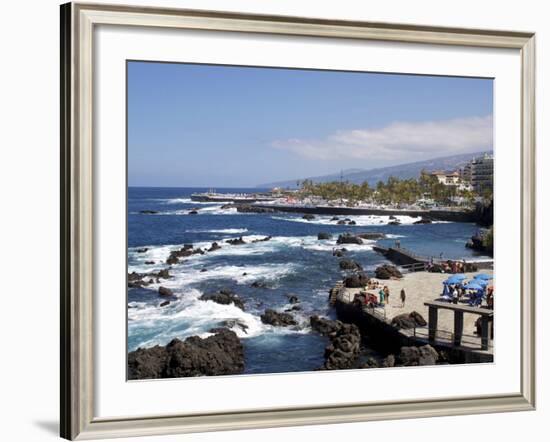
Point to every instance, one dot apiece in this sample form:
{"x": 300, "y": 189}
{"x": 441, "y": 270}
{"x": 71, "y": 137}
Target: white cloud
{"x": 399, "y": 141}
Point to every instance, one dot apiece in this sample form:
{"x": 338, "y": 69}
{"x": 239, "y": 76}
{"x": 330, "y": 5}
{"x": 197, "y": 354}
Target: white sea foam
{"x": 360, "y": 220}
{"x": 228, "y": 231}
{"x": 188, "y": 315}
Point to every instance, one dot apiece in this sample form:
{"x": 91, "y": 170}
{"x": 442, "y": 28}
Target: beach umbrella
{"x": 481, "y": 282}
{"x": 483, "y": 277}
{"x": 455, "y": 279}
{"x": 473, "y": 285}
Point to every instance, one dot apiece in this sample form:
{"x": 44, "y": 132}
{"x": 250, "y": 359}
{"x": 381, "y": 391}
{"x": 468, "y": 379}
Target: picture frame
{"x": 78, "y": 24}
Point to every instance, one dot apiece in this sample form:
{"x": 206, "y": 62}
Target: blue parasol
{"x": 483, "y": 277}
{"x": 473, "y": 285}
{"x": 455, "y": 279}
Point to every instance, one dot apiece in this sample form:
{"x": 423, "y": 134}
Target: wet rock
{"x": 294, "y": 308}
{"x": 164, "y": 291}
{"x": 204, "y": 270}
{"x": 347, "y": 238}
{"x": 392, "y": 217}
{"x": 335, "y": 218}
{"x": 324, "y": 235}
{"x": 389, "y": 361}
{"x": 164, "y": 303}
{"x": 387, "y": 271}
{"x": 214, "y": 246}
{"x": 338, "y": 253}
{"x": 142, "y": 250}
{"x": 341, "y": 222}
{"x": 275, "y": 318}
{"x": 236, "y": 241}
{"x": 267, "y": 238}
{"x": 219, "y": 354}
{"x": 193, "y": 212}
{"x": 293, "y": 299}
{"x": 149, "y": 263}
{"x": 352, "y": 223}
{"x": 308, "y": 217}
{"x": 225, "y": 297}
{"x": 148, "y": 212}
{"x": 357, "y": 280}
{"x": 349, "y": 264}
{"x": 186, "y": 251}
{"x": 259, "y": 285}
{"x": 423, "y": 220}
{"x": 234, "y": 322}
{"x": 345, "y": 342}
{"x": 394, "y": 223}
{"x": 412, "y": 356}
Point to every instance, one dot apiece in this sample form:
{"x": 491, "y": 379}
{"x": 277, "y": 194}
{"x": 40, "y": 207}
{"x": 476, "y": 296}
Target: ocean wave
{"x": 187, "y": 316}
{"x": 228, "y": 231}
{"x": 360, "y": 220}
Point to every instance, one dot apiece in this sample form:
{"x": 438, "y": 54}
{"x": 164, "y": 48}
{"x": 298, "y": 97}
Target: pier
{"x": 413, "y": 262}
{"x": 450, "y": 327}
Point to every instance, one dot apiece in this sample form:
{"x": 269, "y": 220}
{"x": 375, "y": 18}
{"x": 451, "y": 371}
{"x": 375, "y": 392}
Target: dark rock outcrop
{"x": 219, "y": 354}
{"x": 409, "y": 320}
{"x": 231, "y": 323}
{"x": 148, "y": 212}
{"x": 186, "y": 251}
{"x": 308, "y": 216}
{"x": 387, "y": 271}
{"x": 267, "y": 238}
{"x": 142, "y": 250}
{"x": 214, "y": 246}
{"x": 136, "y": 280}
{"x": 164, "y": 291}
{"x": 236, "y": 241}
{"x": 324, "y": 235}
{"x": 193, "y": 212}
{"x": 292, "y": 299}
{"x": 149, "y": 263}
{"x": 483, "y": 213}
{"x": 164, "y": 303}
{"x": 275, "y": 318}
{"x": 349, "y": 264}
{"x": 225, "y": 297}
{"x": 412, "y": 356}
{"x": 345, "y": 342}
{"x": 357, "y": 280}
{"x": 423, "y": 220}
{"x": 347, "y": 238}
{"x": 259, "y": 285}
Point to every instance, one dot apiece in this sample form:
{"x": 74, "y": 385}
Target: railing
{"x": 415, "y": 267}
{"x": 448, "y": 337}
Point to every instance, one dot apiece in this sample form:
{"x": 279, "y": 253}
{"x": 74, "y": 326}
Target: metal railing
{"x": 448, "y": 337}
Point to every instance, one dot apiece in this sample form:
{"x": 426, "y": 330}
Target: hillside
{"x": 403, "y": 171}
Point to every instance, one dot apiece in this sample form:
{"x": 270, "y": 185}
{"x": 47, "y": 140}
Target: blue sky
{"x": 221, "y": 126}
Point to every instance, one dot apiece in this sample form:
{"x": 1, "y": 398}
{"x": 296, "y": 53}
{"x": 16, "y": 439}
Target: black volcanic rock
{"x": 387, "y": 271}
{"x": 275, "y": 318}
{"x": 411, "y": 356}
{"x": 236, "y": 241}
{"x": 409, "y": 320}
{"x": 349, "y": 264}
{"x": 219, "y": 354}
{"x": 358, "y": 280}
{"x": 347, "y": 238}
{"x": 324, "y": 235}
{"x": 225, "y": 297}
{"x": 163, "y": 291}
{"x": 345, "y": 342}
{"x": 308, "y": 216}
{"x": 148, "y": 212}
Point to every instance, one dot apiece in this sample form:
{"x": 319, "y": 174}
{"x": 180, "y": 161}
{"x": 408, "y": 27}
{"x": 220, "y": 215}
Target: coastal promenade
{"x": 421, "y": 289}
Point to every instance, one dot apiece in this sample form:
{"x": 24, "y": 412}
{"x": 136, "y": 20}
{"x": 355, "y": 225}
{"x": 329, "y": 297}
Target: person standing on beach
{"x": 403, "y": 297}
{"x": 387, "y": 294}
{"x": 381, "y": 295}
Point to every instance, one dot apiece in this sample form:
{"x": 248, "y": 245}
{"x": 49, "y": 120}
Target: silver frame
{"x": 77, "y": 389}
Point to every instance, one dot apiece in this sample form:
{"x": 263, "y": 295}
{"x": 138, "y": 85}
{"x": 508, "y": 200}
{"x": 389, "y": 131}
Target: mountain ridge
{"x": 372, "y": 176}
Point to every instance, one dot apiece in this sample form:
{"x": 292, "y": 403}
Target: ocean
{"x": 293, "y": 262}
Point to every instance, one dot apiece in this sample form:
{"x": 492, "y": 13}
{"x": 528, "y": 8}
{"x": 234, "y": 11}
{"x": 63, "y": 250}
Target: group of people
{"x": 383, "y": 295}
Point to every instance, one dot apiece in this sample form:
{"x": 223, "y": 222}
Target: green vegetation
{"x": 394, "y": 191}
{"x": 488, "y": 240}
